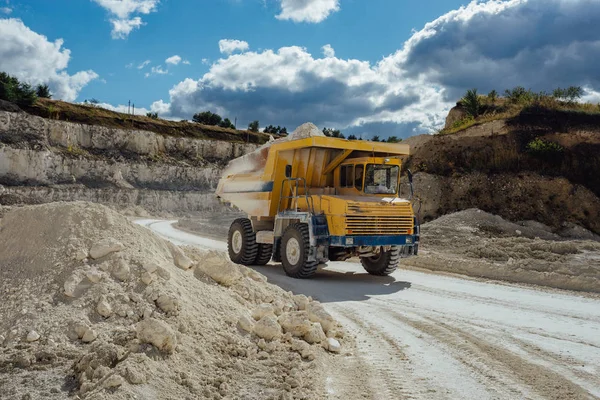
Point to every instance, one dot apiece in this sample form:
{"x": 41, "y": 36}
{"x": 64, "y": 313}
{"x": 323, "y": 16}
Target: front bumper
{"x": 380, "y": 240}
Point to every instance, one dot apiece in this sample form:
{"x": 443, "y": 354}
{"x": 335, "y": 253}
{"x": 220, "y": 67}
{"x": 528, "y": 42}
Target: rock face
{"x": 109, "y": 165}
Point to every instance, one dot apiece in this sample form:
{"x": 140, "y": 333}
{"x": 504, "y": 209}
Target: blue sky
{"x": 393, "y": 67}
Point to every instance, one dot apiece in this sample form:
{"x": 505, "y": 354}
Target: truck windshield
{"x": 381, "y": 179}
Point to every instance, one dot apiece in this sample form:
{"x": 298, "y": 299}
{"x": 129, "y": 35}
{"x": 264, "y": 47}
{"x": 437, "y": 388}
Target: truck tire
{"x": 277, "y": 250}
{"x": 295, "y": 247}
{"x": 265, "y": 251}
{"x": 241, "y": 242}
{"x": 383, "y": 264}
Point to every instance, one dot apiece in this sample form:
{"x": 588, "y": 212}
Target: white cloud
{"x": 5, "y": 10}
{"x": 186, "y": 62}
{"x": 307, "y": 10}
{"x": 229, "y": 46}
{"x": 540, "y": 44}
{"x": 205, "y": 61}
{"x": 143, "y": 65}
{"x": 32, "y": 58}
{"x": 130, "y": 65}
{"x": 123, "y": 25}
{"x": 157, "y": 70}
{"x": 174, "y": 60}
{"x": 328, "y": 51}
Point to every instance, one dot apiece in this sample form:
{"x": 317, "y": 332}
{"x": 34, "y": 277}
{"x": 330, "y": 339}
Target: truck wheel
{"x": 241, "y": 242}
{"x": 382, "y": 264}
{"x": 295, "y": 247}
{"x": 265, "y": 251}
{"x": 277, "y": 250}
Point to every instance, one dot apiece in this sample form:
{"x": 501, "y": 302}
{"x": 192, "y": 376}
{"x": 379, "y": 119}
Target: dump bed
{"x": 254, "y": 182}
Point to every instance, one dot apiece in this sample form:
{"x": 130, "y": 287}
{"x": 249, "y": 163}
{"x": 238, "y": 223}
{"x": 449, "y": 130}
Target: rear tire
{"x": 295, "y": 248}
{"x": 383, "y": 264}
{"x": 241, "y": 242}
{"x": 265, "y": 251}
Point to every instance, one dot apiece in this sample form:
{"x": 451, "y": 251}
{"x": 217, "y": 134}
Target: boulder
{"x": 267, "y": 328}
{"x": 105, "y": 247}
{"x": 157, "y": 333}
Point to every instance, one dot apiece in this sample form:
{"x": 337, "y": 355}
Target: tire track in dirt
{"x": 497, "y": 363}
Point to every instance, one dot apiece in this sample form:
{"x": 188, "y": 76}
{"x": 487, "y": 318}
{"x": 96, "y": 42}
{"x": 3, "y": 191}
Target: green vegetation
{"x": 152, "y": 115}
{"x": 277, "y": 130}
{"x": 329, "y": 132}
{"x": 393, "y": 139}
{"x": 472, "y": 103}
{"x": 253, "y": 126}
{"x": 375, "y": 138}
{"x": 43, "y": 91}
{"x": 17, "y": 92}
{"x": 226, "y": 123}
{"x": 544, "y": 148}
{"x": 481, "y": 109}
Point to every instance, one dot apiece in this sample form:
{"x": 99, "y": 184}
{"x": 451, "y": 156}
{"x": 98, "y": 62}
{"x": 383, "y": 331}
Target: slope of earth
{"x": 539, "y": 165}
{"x": 91, "y": 114}
{"x": 95, "y": 307}
{"x": 425, "y": 336}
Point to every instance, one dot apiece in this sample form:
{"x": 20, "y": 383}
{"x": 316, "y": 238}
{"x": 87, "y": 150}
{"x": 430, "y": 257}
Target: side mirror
{"x": 410, "y": 176}
{"x": 288, "y": 171}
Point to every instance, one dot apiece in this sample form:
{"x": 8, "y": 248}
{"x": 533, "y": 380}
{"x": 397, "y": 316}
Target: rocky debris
{"x": 168, "y": 304}
{"x": 70, "y": 285}
{"x": 301, "y": 301}
{"x": 181, "y": 260}
{"x": 296, "y": 323}
{"x": 267, "y": 328}
{"x": 263, "y": 310}
{"x": 94, "y": 275}
{"x": 246, "y": 323}
{"x": 89, "y": 335}
{"x": 121, "y": 270}
{"x": 158, "y": 334}
{"x": 147, "y": 278}
{"x": 332, "y": 345}
{"x": 219, "y": 268}
{"x": 33, "y": 336}
{"x": 317, "y": 313}
{"x": 103, "y": 308}
{"x": 115, "y": 330}
{"x": 315, "y": 334}
{"x": 105, "y": 247}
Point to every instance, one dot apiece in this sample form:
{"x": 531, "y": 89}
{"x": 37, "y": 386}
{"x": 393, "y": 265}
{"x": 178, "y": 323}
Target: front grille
{"x": 376, "y": 219}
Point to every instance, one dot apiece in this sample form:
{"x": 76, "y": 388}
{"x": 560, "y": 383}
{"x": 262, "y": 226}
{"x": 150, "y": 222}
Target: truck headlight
{"x": 349, "y": 240}
{"x": 408, "y": 240}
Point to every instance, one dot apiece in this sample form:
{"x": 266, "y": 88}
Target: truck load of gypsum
{"x": 318, "y": 198}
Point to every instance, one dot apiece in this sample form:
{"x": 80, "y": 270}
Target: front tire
{"x": 384, "y": 263}
{"x": 295, "y": 248}
{"x": 241, "y": 242}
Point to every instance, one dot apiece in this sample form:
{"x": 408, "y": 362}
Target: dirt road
{"x": 426, "y": 336}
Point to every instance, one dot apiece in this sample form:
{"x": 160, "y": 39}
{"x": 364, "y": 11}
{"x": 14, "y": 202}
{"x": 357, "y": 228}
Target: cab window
{"x": 347, "y": 176}
{"x": 381, "y": 179}
{"x": 359, "y": 173}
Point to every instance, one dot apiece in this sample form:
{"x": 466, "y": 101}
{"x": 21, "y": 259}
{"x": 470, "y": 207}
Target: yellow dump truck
{"x": 316, "y": 199}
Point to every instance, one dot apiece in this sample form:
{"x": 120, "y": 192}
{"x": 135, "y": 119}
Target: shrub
{"x": 519, "y": 95}
{"x": 152, "y": 115}
{"x": 543, "y": 147}
{"x": 226, "y": 123}
{"x": 253, "y": 126}
{"x": 14, "y": 91}
{"x": 492, "y": 96}
{"x": 472, "y": 103}
{"x": 43, "y": 91}
{"x": 207, "y": 118}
